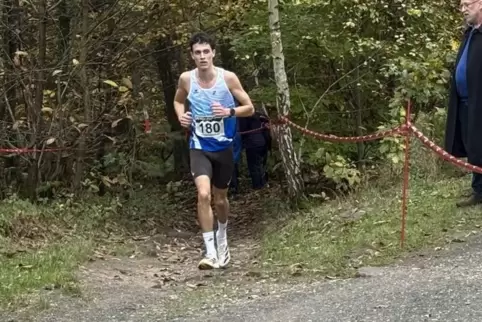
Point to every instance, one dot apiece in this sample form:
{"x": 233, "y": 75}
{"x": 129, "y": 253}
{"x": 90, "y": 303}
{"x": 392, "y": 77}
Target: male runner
{"x": 211, "y": 92}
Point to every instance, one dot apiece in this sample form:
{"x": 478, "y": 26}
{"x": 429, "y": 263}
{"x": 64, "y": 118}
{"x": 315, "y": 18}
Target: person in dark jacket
{"x": 463, "y": 136}
{"x": 257, "y": 143}
{"x": 237, "y": 149}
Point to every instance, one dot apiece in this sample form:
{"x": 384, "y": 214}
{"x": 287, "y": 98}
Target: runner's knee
{"x": 221, "y": 203}
{"x": 204, "y": 196}
{"x": 203, "y": 185}
{"x": 220, "y": 200}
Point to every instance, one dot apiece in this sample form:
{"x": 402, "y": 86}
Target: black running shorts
{"x": 218, "y": 166}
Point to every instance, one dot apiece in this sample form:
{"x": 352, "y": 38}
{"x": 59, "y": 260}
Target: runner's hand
{"x": 186, "y": 120}
{"x": 219, "y": 110}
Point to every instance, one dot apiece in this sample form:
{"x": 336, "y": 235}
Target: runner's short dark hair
{"x": 202, "y": 38}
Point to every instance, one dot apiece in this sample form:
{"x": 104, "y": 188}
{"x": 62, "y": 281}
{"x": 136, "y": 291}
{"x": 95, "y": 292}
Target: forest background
{"x": 81, "y": 77}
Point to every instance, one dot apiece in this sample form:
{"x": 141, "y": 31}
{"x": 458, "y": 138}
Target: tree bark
{"x": 11, "y": 37}
{"x": 228, "y": 58}
{"x": 35, "y": 113}
{"x": 180, "y": 147}
{"x": 290, "y": 159}
{"x": 86, "y": 95}
{"x": 42, "y": 51}
{"x": 65, "y": 39}
{"x": 11, "y": 32}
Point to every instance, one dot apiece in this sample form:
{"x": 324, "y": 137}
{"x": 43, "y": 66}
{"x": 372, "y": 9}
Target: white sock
{"x": 221, "y": 234}
{"x": 209, "y": 242}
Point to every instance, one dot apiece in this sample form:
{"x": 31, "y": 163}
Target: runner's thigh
{"x": 223, "y": 167}
{"x": 200, "y": 164}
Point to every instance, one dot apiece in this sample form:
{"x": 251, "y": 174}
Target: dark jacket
{"x": 237, "y": 147}
{"x": 453, "y": 133}
{"x": 256, "y": 139}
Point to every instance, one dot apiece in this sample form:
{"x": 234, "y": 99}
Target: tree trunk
{"x": 11, "y": 17}
{"x": 35, "y": 113}
{"x": 86, "y": 95}
{"x": 180, "y": 147}
{"x": 228, "y": 58}
{"x": 11, "y": 37}
{"x": 64, "y": 41}
{"x": 291, "y": 161}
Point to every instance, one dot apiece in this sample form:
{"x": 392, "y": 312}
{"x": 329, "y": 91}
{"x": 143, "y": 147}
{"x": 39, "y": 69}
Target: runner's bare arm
{"x": 180, "y": 100}
{"x": 181, "y": 95}
{"x": 246, "y": 108}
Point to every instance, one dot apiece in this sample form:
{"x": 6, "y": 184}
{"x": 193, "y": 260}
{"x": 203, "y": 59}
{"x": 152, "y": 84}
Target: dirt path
{"x": 158, "y": 282}
{"x": 443, "y": 286}
{"x": 162, "y": 283}
{"x": 160, "y": 279}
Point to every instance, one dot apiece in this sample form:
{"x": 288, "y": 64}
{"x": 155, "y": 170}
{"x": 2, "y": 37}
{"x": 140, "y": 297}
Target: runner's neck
{"x": 207, "y": 76}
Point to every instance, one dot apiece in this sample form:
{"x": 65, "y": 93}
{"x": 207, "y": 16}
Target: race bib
{"x": 210, "y": 127}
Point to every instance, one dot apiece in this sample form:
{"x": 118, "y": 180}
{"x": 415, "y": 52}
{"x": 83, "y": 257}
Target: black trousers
{"x": 257, "y": 159}
{"x": 464, "y": 122}
{"x": 234, "y": 184}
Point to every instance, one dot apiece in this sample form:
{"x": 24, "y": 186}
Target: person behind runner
{"x": 257, "y": 143}
{"x": 237, "y": 149}
{"x": 211, "y": 93}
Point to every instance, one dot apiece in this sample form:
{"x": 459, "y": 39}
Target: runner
{"x": 211, "y": 93}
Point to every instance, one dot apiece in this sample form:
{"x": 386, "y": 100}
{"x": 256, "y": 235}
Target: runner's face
{"x": 471, "y": 10}
{"x": 203, "y": 55}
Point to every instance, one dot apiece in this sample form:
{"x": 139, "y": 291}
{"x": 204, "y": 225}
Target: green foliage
{"x": 42, "y": 245}
{"x": 350, "y": 55}
{"x": 342, "y": 172}
{"x": 392, "y": 148}
{"x": 20, "y": 218}
{"x": 54, "y": 268}
{"x": 364, "y": 230}
{"x": 351, "y": 66}
{"x": 335, "y": 167}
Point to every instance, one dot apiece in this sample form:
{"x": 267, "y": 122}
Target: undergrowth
{"x": 43, "y": 244}
{"x": 364, "y": 228}
{"x": 50, "y": 268}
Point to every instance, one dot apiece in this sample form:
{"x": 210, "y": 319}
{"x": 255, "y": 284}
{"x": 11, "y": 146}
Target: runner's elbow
{"x": 250, "y": 111}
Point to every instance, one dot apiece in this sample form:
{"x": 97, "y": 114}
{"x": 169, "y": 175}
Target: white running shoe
{"x": 208, "y": 263}
{"x": 224, "y": 255}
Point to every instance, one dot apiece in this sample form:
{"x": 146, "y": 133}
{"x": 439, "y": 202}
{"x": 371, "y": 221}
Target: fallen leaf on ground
{"x": 295, "y": 269}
